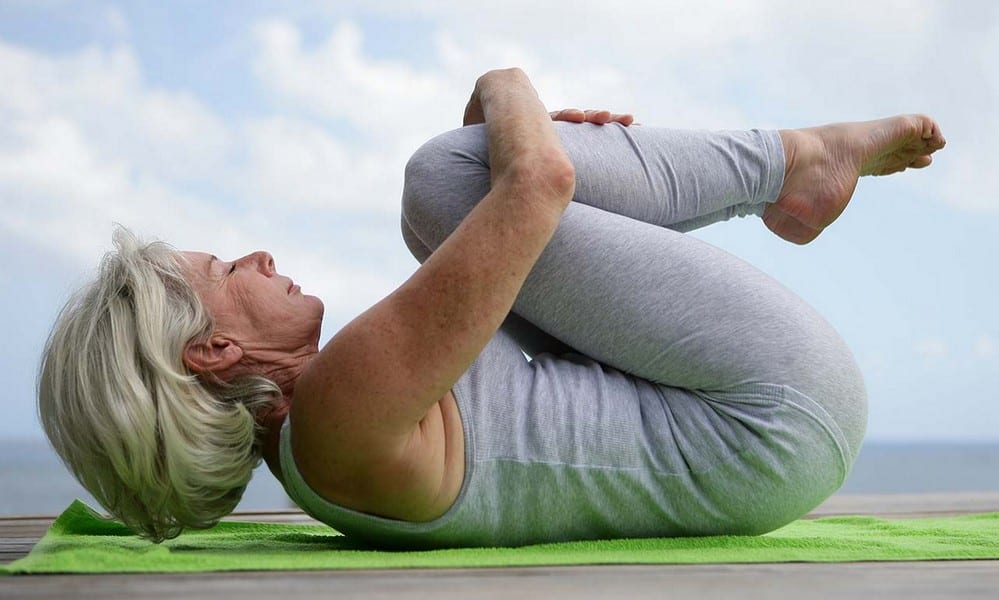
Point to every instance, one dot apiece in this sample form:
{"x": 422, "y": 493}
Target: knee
{"x": 847, "y": 404}
{"x": 830, "y": 376}
{"x": 423, "y": 174}
{"x": 444, "y": 179}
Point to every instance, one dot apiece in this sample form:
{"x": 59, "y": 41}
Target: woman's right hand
{"x": 474, "y": 113}
{"x": 598, "y": 117}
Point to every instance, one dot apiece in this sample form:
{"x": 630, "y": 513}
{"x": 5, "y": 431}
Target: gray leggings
{"x": 674, "y": 389}
{"x": 619, "y": 281}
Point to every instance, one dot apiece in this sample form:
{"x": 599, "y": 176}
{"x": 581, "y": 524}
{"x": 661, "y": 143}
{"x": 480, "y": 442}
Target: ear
{"x": 215, "y": 355}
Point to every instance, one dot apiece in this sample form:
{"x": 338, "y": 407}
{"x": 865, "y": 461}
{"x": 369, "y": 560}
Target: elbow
{"x": 561, "y": 176}
{"x": 551, "y": 174}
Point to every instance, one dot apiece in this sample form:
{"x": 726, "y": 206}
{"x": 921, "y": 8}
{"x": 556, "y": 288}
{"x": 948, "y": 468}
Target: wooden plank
{"x": 18, "y": 534}
{"x": 909, "y": 581}
{"x": 904, "y": 506}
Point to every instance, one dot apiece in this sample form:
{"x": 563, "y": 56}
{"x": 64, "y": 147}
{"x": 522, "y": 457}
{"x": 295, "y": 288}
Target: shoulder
{"x": 412, "y": 477}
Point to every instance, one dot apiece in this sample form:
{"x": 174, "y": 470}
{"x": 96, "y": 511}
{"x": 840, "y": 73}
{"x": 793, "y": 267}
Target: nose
{"x": 262, "y": 261}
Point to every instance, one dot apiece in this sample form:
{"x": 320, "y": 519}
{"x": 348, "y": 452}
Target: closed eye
{"x": 233, "y": 269}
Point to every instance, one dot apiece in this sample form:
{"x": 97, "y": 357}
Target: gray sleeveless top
{"x": 566, "y": 448}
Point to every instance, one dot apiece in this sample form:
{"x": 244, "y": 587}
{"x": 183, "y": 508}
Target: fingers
{"x": 625, "y": 119}
{"x": 573, "y": 115}
{"x": 602, "y": 117}
{"x": 598, "y": 117}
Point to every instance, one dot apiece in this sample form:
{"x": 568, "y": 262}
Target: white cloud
{"x": 395, "y": 104}
{"x": 295, "y": 161}
{"x": 628, "y": 26}
{"x": 165, "y": 133}
{"x": 61, "y": 193}
{"x": 86, "y": 139}
{"x": 931, "y": 350}
{"x": 115, "y": 22}
{"x": 985, "y": 346}
{"x": 337, "y": 81}
{"x": 704, "y": 64}
{"x": 84, "y": 143}
{"x": 872, "y": 361}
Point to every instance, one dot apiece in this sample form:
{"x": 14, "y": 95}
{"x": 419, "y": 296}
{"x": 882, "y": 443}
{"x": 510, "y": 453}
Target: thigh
{"x": 649, "y": 301}
{"x": 574, "y": 449}
{"x": 531, "y": 339}
{"x": 680, "y": 179}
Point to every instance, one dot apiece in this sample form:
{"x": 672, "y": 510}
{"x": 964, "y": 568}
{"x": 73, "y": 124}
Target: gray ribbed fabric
{"x": 699, "y": 396}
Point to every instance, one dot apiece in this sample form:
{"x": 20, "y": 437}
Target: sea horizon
{"x": 34, "y": 482}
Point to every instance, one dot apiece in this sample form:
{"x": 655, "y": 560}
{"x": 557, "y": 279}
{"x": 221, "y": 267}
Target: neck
{"x": 270, "y": 437}
{"x": 284, "y": 370}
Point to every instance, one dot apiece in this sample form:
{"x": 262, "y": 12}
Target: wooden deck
{"x": 909, "y": 580}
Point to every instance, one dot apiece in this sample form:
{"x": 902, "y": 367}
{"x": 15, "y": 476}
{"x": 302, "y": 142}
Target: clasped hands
{"x": 475, "y": 115}
{"x": 572, "y": 115}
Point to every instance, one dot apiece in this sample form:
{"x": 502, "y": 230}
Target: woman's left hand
{"x": 599, "y": 117}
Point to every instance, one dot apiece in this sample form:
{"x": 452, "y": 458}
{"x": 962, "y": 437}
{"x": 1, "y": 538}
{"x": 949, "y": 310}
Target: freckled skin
{"x": 376, "y": 427}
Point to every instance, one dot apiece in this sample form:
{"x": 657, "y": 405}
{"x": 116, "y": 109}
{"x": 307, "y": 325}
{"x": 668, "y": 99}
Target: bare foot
{"x": 824, "y": 163}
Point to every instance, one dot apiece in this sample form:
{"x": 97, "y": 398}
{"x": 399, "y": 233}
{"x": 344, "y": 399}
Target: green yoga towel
{"x": 81, "y": 541}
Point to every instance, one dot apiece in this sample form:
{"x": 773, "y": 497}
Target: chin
{"x": 318, "y": 302}
{"x": 318, "y": 310}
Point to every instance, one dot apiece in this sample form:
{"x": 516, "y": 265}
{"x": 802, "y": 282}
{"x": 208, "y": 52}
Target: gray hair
{"x": 159, "y": 447}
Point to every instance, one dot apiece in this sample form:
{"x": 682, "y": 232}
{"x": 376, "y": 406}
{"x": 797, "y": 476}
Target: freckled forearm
{"x": 519, "y": 129}
{"x": 464, "y": 291}
{"x": 394, "y": 362}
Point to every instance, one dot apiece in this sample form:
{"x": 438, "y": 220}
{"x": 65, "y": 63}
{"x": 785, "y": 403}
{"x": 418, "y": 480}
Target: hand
{"x": 599, "y": 117}
{"x": 504, "y": 81}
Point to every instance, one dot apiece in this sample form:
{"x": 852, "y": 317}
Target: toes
{"x": 921, "y": 161}
{"x": 927, "y": 125}
{"x": 931, "y": 133}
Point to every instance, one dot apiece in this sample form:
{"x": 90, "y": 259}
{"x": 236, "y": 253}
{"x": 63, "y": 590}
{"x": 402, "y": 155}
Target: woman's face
{"x": 253, "y": 305}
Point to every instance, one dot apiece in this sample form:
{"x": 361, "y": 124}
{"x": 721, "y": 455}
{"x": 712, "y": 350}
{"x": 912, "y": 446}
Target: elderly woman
{"x": 672, "y": 388}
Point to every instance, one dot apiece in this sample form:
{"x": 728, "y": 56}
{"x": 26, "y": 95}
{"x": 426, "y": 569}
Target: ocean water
{"x": 33, "y": 481}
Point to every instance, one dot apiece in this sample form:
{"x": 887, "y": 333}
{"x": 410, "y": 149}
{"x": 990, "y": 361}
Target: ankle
{"x": 791, "y": 140}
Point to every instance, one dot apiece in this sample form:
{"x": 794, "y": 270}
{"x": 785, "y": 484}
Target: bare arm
{"x": 373, "y": 384}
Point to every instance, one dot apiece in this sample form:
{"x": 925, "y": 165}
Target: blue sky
{"x": 236, "y": 126}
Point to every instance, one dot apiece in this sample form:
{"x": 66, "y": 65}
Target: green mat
{"x": 81, "y": 541}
